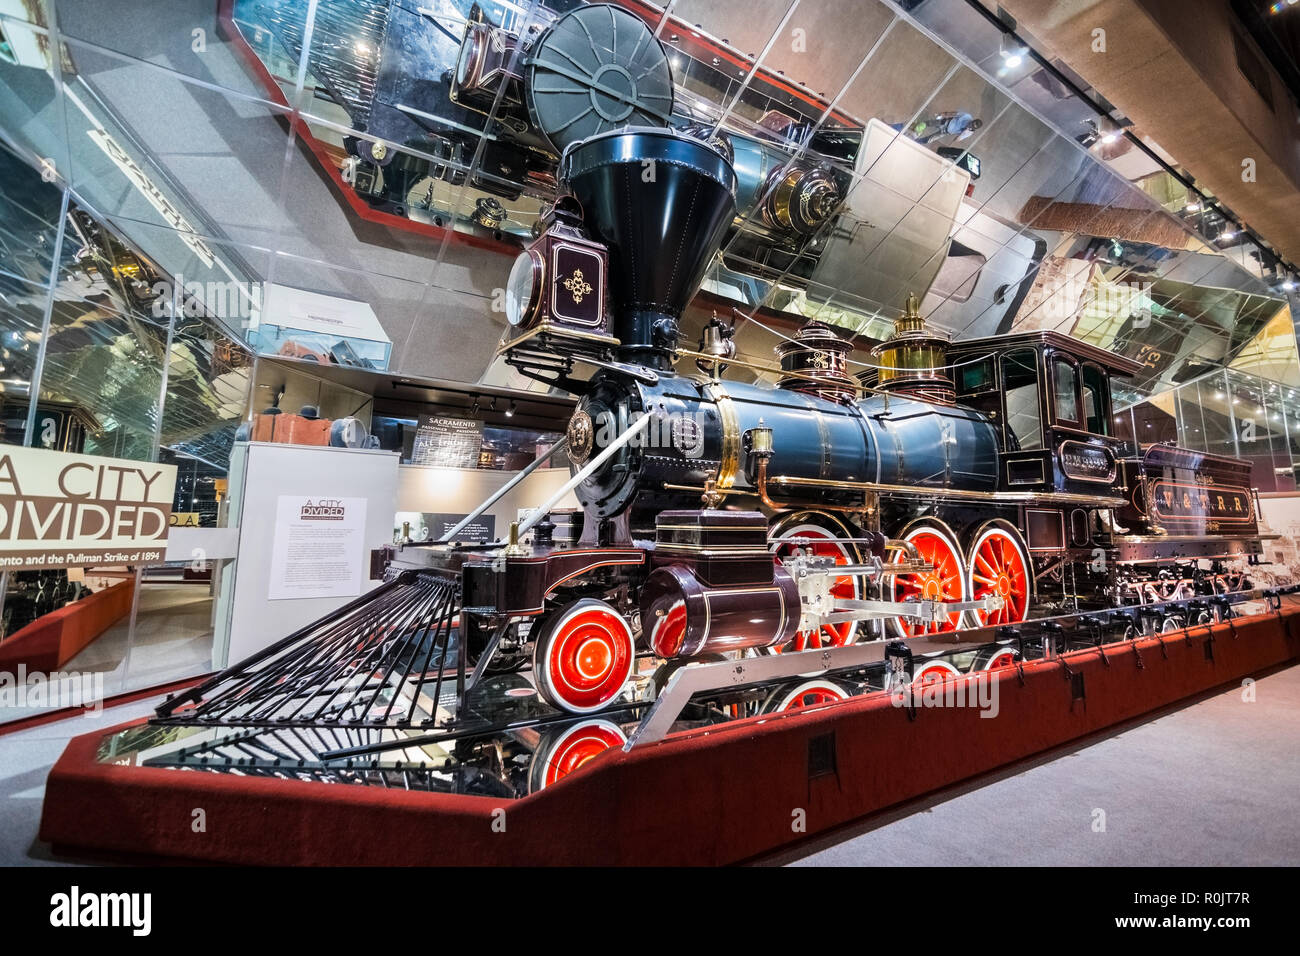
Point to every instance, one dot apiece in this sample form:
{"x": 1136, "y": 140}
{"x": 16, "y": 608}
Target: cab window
{"x": 1020, "y": 383}
{"x": 1095, "y": 400}
{"x": 975, "y": 377}
{"x": 1065, "y": 391}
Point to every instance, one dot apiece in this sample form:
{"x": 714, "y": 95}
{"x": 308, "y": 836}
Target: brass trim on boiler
{"x": 729, "y": 460}
{"x": 1016, "y": 497}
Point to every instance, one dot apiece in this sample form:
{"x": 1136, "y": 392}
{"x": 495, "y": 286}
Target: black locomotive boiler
{"x": 953, "y": 485}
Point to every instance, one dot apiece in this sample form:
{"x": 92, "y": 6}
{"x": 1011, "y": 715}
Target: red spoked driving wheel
{"x": 1001, "y": 658}
{"x": 947, "y": 580}
{"x": 998, "y": 563}
{"x": 821, "y": 542}
{"x": 583, "y": 656}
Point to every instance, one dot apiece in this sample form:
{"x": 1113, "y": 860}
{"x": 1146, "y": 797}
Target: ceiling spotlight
{"x": 1013, "y": 54}
{"x": 510, "y": 412}
{"x": 1111, "y": 137}
{"x": 1227, "y": 235}
{"x": 1192, "y": 207}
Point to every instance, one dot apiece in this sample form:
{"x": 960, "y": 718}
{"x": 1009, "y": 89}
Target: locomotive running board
{"x": 693, "y": 679}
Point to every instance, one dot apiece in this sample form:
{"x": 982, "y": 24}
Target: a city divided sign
{"x": 59, "y": 510}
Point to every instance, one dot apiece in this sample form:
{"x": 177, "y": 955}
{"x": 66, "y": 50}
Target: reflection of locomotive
{"x": 964, "y": 485}
{"x": 432, "y": 79}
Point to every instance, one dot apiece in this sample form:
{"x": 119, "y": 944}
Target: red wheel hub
{"x": 935, "y": 673}
{"x": 811, "y": 694}
{"x": 1001, "y": 659}
{"x": 998, "y": 566}
{"x": 944, "y": 583}
{"x": 585, "y": 658}
{"x": 577, "y": 746}
{"x": 581, "y": 747}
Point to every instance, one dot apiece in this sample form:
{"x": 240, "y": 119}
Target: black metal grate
{"x": 370, "y": 663}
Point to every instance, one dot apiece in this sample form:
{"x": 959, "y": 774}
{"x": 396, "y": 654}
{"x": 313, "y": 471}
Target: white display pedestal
{"x": 308, "y": 518}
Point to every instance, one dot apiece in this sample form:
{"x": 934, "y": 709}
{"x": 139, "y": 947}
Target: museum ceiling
{"x": 1067, "y": 225}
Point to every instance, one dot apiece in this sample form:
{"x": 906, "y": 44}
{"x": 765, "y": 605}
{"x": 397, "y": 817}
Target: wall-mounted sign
{"x": 60, "y": 510}
{"x": 448, "y": 442}
{"x": 319, "y": 547}
{"x": 433, "y": 525}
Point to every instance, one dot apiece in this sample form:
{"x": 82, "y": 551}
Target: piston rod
{"x": 589, "y": 469}
{"x": 504, "y": 489}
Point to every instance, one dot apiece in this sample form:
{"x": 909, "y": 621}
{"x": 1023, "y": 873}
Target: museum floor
{"x": 1212, "y": 782}
{"x": 173, "y": 640}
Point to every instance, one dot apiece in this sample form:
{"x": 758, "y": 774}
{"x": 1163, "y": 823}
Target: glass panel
{"x": 29, "y": 225}
{"x": 1095, "y": 400}
{"x": 974, "y": 377}
{"x": 201, "y": 41}
{"x": 1217, "y": 414}
{"x": 1065, "y": 391}
{"x": 1020, "y": 382}
{"x": 1189, "y": 414}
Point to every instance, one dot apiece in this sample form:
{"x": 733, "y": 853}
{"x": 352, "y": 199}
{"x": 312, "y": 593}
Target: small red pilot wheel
{"x": 563, "y": 751}
{"x": 999, "y": 564}
{"x": 933, "y": 672}
{"x": 583, "y": 656}
{"x": 1003, "y": 657}
{"x": 811, "y": 693}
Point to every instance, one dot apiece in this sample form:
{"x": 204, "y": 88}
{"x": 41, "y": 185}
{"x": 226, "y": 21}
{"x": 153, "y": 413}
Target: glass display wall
{"x": 100, "y": 355}
{"x": 316, "y": 146}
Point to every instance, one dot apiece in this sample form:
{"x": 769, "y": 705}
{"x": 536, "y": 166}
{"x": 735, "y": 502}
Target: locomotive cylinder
{"x": 683, "y": 617}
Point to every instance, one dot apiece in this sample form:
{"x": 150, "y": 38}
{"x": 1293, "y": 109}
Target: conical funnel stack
{"x": 661, "y": 202}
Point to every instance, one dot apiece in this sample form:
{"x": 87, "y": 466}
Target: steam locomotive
{"x": 740, "y": 548}
{"x": 952, "y": 485}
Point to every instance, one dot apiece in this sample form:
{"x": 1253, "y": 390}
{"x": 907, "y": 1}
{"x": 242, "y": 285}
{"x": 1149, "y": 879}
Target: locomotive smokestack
{"x": 661, "y": 201}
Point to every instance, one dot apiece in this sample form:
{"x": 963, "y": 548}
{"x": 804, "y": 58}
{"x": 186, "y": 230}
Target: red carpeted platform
{"x": 53, "y": 639}
{"x": 709, "y": 798}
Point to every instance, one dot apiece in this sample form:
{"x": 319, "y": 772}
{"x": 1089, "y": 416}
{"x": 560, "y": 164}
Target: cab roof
{"x": 1113, "y": 362}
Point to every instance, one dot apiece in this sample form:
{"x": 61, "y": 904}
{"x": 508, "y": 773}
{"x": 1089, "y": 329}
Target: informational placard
{"x": 433, "y": 525}
{"x": 60, "y": 510}
{"x": 319, "y": 547}
{"x": 447, "y": 442}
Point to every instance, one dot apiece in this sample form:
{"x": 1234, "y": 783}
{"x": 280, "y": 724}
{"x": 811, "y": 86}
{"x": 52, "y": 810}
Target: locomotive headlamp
{"x": 523, "y": 288}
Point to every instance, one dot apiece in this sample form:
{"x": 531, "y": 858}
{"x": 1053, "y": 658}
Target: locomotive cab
{"x": 1050, "y": 399}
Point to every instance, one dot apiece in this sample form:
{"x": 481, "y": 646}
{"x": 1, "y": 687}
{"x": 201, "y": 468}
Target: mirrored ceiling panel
{"x": 397, "y": 154}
